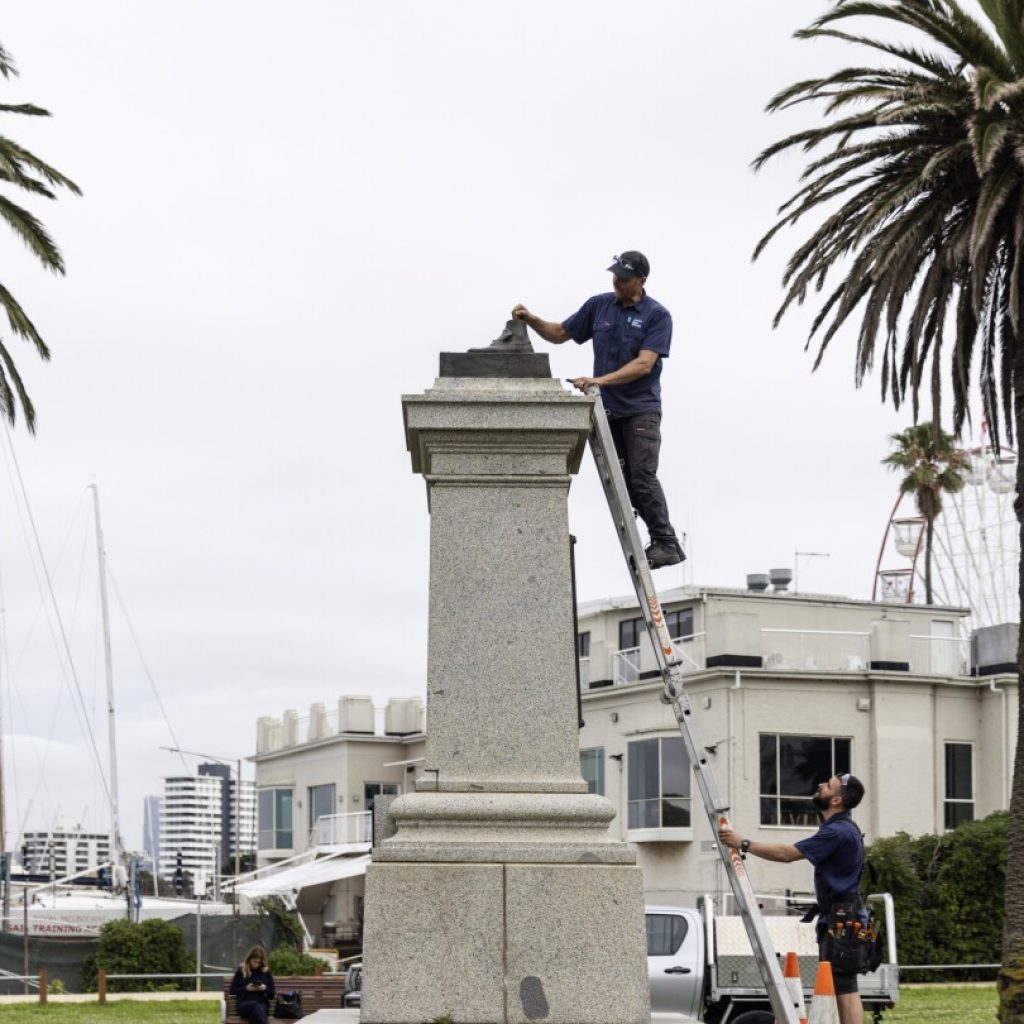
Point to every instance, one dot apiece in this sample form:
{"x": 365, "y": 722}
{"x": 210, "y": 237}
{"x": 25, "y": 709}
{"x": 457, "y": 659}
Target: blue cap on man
{"x": 630, "y": 264}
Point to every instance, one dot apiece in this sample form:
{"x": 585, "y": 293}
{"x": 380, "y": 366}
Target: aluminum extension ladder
{"x": 786, "y": 1008}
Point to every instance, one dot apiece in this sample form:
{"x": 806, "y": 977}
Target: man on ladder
{"x": 632, "y": 333}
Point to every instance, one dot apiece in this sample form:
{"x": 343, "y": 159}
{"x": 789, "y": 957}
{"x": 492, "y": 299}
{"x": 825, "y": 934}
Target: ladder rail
{"x": 786, "y": 1008}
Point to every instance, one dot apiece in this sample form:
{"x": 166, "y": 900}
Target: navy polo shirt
{"x": 837, "y": 852}
{"x": 619, "y": 332}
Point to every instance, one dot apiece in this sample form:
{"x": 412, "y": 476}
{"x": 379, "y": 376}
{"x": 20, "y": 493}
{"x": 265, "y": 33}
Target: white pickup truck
{"x": 701, "y": 964}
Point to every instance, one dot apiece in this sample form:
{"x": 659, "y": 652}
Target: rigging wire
{"x": 56, "y": 611}
{"x": 142, "y": 658}
{"x": 12, "y": 669}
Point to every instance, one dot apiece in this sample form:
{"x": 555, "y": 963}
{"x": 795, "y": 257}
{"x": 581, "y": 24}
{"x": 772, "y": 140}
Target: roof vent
{"x": 757, "y": 581}
{"x": 781, "y": 579}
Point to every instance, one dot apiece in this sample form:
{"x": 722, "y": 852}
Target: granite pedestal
{"x": 499, "y": 895}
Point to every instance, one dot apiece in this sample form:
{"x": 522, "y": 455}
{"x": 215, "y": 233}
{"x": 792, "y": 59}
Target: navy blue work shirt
{"x": 837, "y": 852}
{"x": 619, "y": 332}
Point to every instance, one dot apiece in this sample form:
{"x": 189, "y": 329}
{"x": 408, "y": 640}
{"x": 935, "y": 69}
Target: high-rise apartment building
{"x": 197, "y": 822}
{"x": 64, "y": 850}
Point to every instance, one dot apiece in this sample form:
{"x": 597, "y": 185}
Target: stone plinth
{"x": 499, "y": 894}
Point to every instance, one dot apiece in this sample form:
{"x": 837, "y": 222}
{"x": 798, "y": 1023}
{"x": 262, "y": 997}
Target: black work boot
{"x": 664, "y": 552}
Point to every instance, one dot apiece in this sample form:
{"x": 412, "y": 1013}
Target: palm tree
{"x": 915, "y": 182}
{"x": 932, "y": 464}
{"x": 24, "y": 170}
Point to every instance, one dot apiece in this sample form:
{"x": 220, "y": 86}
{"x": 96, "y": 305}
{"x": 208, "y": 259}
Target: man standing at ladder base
{"x": 632, "y": 333}
{"x": 837, "y": 852}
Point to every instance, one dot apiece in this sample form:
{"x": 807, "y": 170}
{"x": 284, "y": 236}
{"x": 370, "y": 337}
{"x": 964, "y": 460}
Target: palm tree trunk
{"x": 1011, "y": 976}
{"x": 929, "y": 526}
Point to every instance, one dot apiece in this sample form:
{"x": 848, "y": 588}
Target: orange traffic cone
{"x": 796, "y": 989}
{"x": 824, "y": 1008}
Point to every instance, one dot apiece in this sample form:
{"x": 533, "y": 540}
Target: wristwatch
{"x": 744, "y": 846}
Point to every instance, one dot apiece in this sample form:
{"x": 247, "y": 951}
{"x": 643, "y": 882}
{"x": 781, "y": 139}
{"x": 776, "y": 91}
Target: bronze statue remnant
{"x": 512, "y": 339}
{"x": 509, "y": 355}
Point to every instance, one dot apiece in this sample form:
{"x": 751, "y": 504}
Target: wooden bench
{"x": 319, "y": 992}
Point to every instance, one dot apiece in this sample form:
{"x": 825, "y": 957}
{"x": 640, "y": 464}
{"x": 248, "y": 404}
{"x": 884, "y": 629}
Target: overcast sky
{"x": 288, "y": 212}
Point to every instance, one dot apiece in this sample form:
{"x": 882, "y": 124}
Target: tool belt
{"x": 852, "y": 942}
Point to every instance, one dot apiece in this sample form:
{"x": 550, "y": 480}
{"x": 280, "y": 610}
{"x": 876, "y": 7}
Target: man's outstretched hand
{"x": 520, "y": 312}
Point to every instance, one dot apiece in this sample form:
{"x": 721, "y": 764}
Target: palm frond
{"x": 21, "y": 157}
{"x": 20, "y": 323}
{"x": 31, "y": 231}
{"x": 917, "y": 175}
{"x": 7, "y": 66}
{"x": 19, "y": 388}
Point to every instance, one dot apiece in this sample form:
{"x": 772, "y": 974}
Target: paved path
{"x": 352, "y": 1017}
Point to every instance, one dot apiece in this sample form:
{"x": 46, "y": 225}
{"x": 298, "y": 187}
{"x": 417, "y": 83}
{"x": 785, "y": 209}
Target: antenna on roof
{"x": 797, "y": 555}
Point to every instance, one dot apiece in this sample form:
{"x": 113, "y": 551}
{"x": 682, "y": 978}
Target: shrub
{"x": 286, "y": 961}
{"x": 150, "y": 947}
{"x": 948, "y": 891}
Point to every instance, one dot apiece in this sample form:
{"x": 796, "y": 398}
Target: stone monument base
{"x": 505, "y": 944}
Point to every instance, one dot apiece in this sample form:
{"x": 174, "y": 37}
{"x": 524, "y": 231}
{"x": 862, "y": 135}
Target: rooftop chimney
{"x": 757, "y": 581}
{"x": 781, "y": 579}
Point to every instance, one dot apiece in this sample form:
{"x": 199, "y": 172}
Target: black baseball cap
{"x": 630, "y": 264}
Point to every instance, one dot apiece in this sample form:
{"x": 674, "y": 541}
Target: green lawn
{"x": 917, "y": 1005}
{"x": 175, "y": 1012}
{"x": 928, "y": 1004}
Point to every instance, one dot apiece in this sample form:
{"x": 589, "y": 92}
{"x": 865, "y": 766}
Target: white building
{"x": 64, "y": 850}
{"x": 197, "y": 822}
{"x": 786, "y": 689}
{"x": 317, "y": 779}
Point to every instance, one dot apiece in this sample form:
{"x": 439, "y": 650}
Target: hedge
{"x": 948, "y": 891}
{"x": 150, "y": 947}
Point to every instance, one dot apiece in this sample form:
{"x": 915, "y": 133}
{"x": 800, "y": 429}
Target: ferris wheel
{"x": 976, "y": 546}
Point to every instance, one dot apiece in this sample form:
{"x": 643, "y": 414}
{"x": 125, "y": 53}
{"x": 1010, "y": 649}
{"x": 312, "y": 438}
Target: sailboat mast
{"x": 115, "y": 824}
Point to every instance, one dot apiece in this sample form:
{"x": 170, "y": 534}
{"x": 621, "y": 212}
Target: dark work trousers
{"x": 255, "y": 1013}
{"x": 638, "y": 444}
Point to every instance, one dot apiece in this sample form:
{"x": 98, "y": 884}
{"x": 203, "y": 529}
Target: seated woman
{"x": 253, "y": 987}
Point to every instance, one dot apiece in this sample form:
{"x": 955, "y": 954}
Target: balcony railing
{"x": 939, "y": 655}
{"x": 626, "y": 668}
{"x": 799, "y": 650}
{"x": 816, "y": 650}
{"x": 691, "y": 650}
{"x": 584, "y": 672}
{"x": 338, "y": 829}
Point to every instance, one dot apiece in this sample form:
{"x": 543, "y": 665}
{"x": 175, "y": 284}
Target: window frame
{"x": 583, "y": 644}
{"x": 332, "y": 803}
{"x": 598, "y": 758}
{"x": 637, "y": 628}
{"x": 778, "y": 796}
{"x": 950, "y": 803}
{"x": 675, "y": 615}
{"x": 639, "y": 829}
{"x": 394, "y": 789}
{"x": 270, "y": 837}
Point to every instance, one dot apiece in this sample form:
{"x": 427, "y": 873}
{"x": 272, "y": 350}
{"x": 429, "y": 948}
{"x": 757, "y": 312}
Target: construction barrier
{"x": 824, "y": 1008}
{"x": 791, "y": 974}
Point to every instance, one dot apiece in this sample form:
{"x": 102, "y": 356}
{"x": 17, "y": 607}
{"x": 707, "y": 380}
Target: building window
{"x": 582, "y": 645}
{"x": 791, "y": 768}
{"x": 275, "y": 814}
{"x": 959, "y": 805}
{"x": 592, "y": 769}
{"x": 321, "y": 802}
{"x": 630, "y": 632}
{"x": 374, "y": 789}
{"x": 679, "y": 623}
{"x": 659, "y": 784}
{"x": 665, "y": 934}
